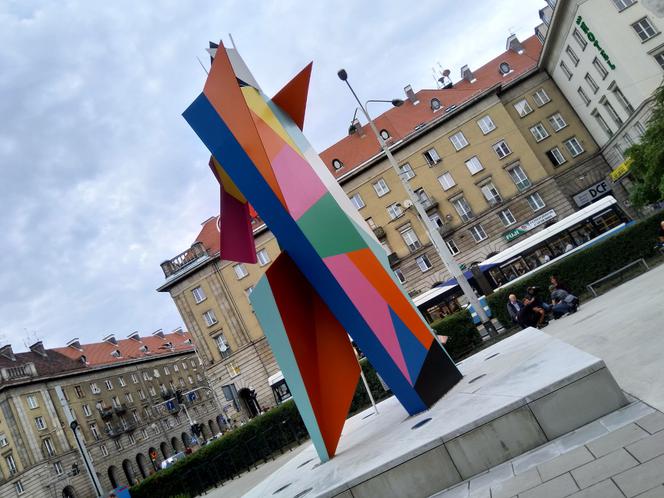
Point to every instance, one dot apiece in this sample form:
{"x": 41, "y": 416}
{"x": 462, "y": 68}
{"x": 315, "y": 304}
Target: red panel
{"x": 321, "y": 347}
{"x": 292, "y": 98}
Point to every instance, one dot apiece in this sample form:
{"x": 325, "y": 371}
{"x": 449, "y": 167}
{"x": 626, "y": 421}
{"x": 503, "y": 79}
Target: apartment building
{"x": 607, "y": 58}
{"x": 120, "y": 393}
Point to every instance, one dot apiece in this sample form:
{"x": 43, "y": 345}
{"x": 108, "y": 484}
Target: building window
{"x": 184, "y": 366}
{"x": 535, "y": 201}
{"x": 210, "y": 318}
{"x": 109, "y": 384}
{"x": 118, "y": 444}
{"x": 57, "y": 466}
{"x": 337, "y": 164}
{"x": 474, "y": 165}
{"x": 370, "y": 222}
{"x": 591, "y": 83}
{"x": 86, "y": 410}
{"x": 223, "y": 346}
{"x": 446, "y": 181}
{"x": 248, "y": 291}
{"x": 32, "y": 401}
{"x": 486, "y": 124}
{"x": 611, "y": 111}
{"x": 122, "y": 381}
{"x": 574, "y": 147}
{"x": 400, "y": 276}
{"x": 432, "y": 157}
{"x": 539, "y": 132}
{"x": 79, "y": 391}
{"x": 134, "y": 378}
{"x": 557, "y": 122}
{"x": 623, "y": 4}
{"x": 357, "y": 201}
{"x": 240, "y": 271}
{"x": 406, "y": 171}
{"x": 39, "y": 422}
{"x": 199, "y": 295}
{"x": 131, "y": 438}
{"x": 566, "y": 70}
{"x": 459, "y": 140}
{"x": 152, "y": 391}
{"x": 462, "y": 207}
{"x": 600, "y": 68}
{"x": 579, "y": 39}
{"x": 645, "y": 29}
{"x": 3, "y": 440}
{"x": 502, "y": 149}
{"x": 620, "y": 97}
{"x": 639, "y": 130}
{"x": 436, "y": 220}
{"x": 555, "y": 156}
{"x": 478, "y": 233}
{"x": 660, "y": 59}
{"x": 423, "y": 263}
{"x": 232, "y": 369}
{"x": 584, "y": 97}
{"x": 541, "y": 97}
{"x": 394, "y": 211}
{"x": 11, "y": 464}
{"x": 18, "y": 486}
{"x": 602, "y": 122}
{"x": 129, "y": 397}
{"x": 491, "y": 194}
{"x": 523, "y": 108}
{"x": 573, "y": 57}
{"x": 263, "y": 257}
{"x": 410, "y": 238}
{"x": 507, "y": 217}
{"x": 167, "y": 371}
{"x": 384, "y": 134}
{"x": 48, "y": 446}
{"x": 620, "y": 151}
{"x": 519, "y": 177}
{"x": 451, "y": 245}
{"x": 176, "y": 368}
{"x": 381, "y": 188}
{"x": 104, "y": 450}
{"x": 94, "y": 431}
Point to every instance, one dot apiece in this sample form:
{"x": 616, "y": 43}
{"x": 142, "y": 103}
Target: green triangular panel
{"x": 329, "y": 230}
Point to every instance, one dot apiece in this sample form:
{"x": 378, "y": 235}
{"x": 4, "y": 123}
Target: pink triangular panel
{"x": 236, "y": 238}
{"x": 297, "y": 181}
{"x": 370, "y": 304}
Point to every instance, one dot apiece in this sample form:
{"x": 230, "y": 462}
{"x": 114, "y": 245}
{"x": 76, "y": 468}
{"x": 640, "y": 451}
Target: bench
{"x": 590, "y": 286}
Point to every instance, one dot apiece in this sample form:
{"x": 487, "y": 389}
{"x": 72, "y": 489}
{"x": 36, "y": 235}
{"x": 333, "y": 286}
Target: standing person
{"x": 660, "y": 244}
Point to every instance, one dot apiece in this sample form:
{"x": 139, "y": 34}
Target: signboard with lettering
{"x": 529, "y": 225}
{"x": 621, "y": 170}
{"x": 593, "y": 39}
{"x": 591, "y": 194}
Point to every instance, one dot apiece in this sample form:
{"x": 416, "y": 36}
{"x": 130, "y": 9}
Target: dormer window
{"x": 504, "y": 68}
{"x": 116, "y": 353}
{"x": 435, "y": 104}
{"x": 84, "y": 359}
{"x": 384, "y": 134}
{"x": 337, "y": 164}
{"x": 143, "y": 349}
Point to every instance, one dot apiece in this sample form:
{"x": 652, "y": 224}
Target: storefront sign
{"x": 593, "y": 193}
{"x": 621, "y": 170}
{"x": 529, "y": 225}
{"x": 593, "y": 39}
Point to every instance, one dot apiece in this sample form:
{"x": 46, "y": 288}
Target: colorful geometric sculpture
{"x": 332, "y": 278}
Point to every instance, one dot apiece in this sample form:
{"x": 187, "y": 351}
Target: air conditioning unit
{"x": 407, "y": 203}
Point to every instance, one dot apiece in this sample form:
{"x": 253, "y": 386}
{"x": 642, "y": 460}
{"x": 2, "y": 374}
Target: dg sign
{"x": 593, "y": 193}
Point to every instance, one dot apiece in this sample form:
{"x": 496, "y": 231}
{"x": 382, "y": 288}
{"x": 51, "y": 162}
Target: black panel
{"x": 438, "y": 375}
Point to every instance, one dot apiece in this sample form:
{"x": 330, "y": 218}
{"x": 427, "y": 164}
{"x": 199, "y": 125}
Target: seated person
{"x": 563, "y": 302}
{"x": 514, "y": 306}
{"x": 531, "y": 293}
{"x": 532, "y": 315}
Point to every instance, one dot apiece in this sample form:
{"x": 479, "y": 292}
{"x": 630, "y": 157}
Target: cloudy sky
{"x": 101, "y": 178}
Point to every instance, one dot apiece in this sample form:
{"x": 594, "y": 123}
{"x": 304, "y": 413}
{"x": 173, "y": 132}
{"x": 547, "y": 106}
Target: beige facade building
{"x": 116, "y": 391}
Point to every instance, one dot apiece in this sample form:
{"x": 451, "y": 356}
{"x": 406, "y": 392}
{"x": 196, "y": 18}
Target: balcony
{"x": 129, "y": 427}
{"x": 195, "y": 252}
{"x": 120, "y": 409}
{"x": 114, "y": 431}
{"x": 393, "y": 259}
{"x": 106, "y": 412}
{"x": 428, "y": 204}
{"x": 379, "y": 232}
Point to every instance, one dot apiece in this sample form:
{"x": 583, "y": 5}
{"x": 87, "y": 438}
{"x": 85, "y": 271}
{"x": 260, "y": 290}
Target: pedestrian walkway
{"x": 625, "y": 328}
{"x": 620, "y": 455}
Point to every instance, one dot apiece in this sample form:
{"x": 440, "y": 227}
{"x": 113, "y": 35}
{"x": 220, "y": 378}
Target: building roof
{"x": 401, "y": 122}
{"x": 101, "y": 353}
{"x": 51, "y": 364}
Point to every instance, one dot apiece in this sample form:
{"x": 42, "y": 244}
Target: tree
{"x": 647, "y": 168}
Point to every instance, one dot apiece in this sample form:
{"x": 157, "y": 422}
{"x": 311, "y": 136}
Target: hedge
{"x": 461, "y": 332}
{"x": 244, "y": 447}
{"x": 578, "y": 270}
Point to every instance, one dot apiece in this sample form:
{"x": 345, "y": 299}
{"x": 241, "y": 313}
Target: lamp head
{"x": 352, "y": 129}
{"x": 343, "y": 75}
{"x": 397, "y": 102}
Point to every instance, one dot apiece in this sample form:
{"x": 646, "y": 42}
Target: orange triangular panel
{"x": 292, "y": 98}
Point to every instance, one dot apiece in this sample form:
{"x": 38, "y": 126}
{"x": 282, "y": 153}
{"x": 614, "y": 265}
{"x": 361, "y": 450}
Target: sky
{"x": 101, "y": 179}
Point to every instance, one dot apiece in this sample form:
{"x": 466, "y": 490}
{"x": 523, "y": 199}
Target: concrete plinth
{"x": 515, "y": 396}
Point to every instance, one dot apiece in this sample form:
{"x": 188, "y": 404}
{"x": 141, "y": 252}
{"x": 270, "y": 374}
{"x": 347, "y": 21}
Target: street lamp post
{"x": 436, "y": 239}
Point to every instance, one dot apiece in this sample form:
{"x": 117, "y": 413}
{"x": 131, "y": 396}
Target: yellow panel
{"x": 226, "y": 181}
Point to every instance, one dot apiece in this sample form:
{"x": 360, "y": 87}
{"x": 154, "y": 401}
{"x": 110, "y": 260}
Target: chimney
{"x": 110, "y": 338}
{"x": 356, "y": 128}
{"x": 7, "y": 352}
{"x": 410, "y": 94}
{"x": 38, "y": 348}
{"x": 74, "y": 343}
{"x": 158, "y": 333}
{"x": 514, "y": 44}
{"x": 467, "y": 74}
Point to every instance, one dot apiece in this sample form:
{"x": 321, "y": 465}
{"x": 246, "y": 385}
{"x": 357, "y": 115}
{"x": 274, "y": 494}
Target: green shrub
{"x": 462, "y": 334}
{"x": 580, "y": 269}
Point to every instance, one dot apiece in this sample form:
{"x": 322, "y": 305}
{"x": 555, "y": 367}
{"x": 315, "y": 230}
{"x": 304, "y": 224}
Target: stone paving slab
{"x": 559, "y": 487}
{"x": 604, "y": 489}
{"x": 648, "y": 448}
{"x": 652, "y": 423}
{"x": 616, "y": 440}
{"x": 642, "y": 478}
{"x": 657, "y": 492}
{"x": 564, "y": 463}
{"x": 603, "y": 468}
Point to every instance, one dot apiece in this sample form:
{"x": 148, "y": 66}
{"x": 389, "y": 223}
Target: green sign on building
{"x": 529, "y": 225}
{"x": 593, "y": 39}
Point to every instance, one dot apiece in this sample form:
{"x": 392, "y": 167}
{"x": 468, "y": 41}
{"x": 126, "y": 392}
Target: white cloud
{"x": 101, "y": 177}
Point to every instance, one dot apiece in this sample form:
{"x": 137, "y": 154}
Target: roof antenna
{"x": 232, "y": 41}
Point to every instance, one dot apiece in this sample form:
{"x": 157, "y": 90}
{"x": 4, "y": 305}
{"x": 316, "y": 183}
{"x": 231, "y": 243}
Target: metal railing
{"x": 591, "y": 286}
